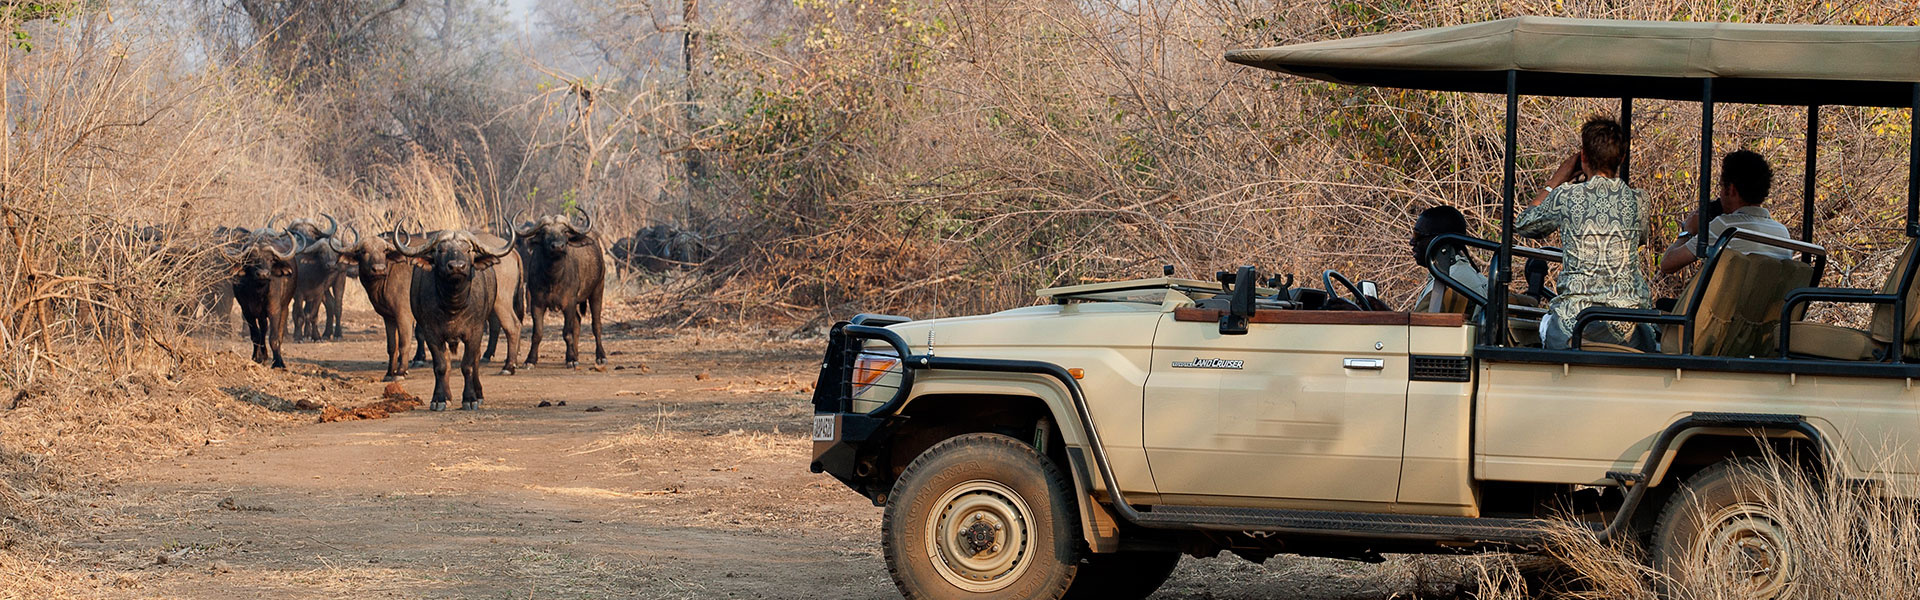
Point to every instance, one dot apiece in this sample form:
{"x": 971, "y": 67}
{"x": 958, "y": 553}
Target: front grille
{"x": 1441, "y": 368}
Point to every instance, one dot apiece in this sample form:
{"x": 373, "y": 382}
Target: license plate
{"x": 823, "y": 428}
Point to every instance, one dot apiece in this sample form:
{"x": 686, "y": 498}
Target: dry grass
{"x": 1855, "y": 541}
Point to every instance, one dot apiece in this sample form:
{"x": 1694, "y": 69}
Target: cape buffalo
{"x": 323, "y": 281}
{"x": 387, "y": 276}
{"x": 565, "y": 271}
{"x": 506, "y": 319}
{"x": 659, "y": 247}
{"x": 458, "y": 288}
{"x": 263, "y": 282}
{"x": 626, "y": 255}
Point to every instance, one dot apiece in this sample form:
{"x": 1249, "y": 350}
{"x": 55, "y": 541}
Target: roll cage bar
{"x": 1494, "y": 302}
{"x": 1707, "y": 63}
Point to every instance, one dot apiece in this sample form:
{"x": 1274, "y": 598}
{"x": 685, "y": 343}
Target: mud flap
{"x": 1097, "y": 524}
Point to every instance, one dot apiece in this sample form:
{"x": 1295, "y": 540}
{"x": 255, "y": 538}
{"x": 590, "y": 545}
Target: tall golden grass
{"x": 1850, "y": 540}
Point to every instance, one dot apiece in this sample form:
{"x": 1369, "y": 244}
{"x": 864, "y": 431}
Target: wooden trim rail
{"x": 1329, "y": 317}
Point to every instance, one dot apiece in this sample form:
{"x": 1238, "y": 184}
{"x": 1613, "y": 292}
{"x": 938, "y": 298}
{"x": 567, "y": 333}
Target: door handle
{"x": 1369, "y": 364}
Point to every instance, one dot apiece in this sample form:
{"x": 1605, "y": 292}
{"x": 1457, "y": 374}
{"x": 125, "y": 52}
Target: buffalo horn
{"x": 333, "y": 226}
{"x": 400, "y": 243}
{"x": 586, "y": 222}
{"x": 522, "y": 229}
{"x": 274, "y": 246}
{"x": 504, "y": 249}
{"x": 334, "y": 242}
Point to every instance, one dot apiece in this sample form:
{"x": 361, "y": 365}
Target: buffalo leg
{"x": 396, "y": 348}
{"x": 257, "y": 330}
{"x": 571, "y": 333}
{"x": 533, "y": 344}
{"x": 405, "y": 329}
{"x": 470, "y": 395}
{"x": 599, "y": 348}
{"x": 419, "y": 347}
{"x": 503, "y": 314}
{"x": 274, "y": 339}
{"x": 335, "y": 303}
{"x": 493, "y": 339}
{"x": 440, "y": 392}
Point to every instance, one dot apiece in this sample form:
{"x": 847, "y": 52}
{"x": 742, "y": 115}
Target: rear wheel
{"x": 981, "y": 515}
{"x": 1122, "y": 575}
{"x": 1723, "y": 527}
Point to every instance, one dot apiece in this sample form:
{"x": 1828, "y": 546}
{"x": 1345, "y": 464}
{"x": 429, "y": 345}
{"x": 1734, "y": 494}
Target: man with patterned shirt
{"x": 1602, "y": 223}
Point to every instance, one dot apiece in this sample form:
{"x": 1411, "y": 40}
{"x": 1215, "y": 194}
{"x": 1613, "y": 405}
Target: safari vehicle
{"x": 1077, "y": 447}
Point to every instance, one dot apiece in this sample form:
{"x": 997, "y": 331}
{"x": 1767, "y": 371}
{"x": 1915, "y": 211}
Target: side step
{"x": 1352, "y": 525}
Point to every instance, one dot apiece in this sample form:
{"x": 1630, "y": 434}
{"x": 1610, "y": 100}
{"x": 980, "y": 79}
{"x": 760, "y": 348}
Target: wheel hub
{"x": 1747, "y": 546}
{"x": 978, "y": 536}
{"x": 981, "y": 536}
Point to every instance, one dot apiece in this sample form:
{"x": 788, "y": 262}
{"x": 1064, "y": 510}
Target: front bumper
{"x": 847, "y": 444}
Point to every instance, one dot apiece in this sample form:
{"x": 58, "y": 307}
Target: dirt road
{"x": 677, "y": 473}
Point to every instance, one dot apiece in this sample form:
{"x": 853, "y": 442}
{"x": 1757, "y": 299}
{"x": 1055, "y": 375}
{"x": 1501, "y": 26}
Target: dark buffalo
{"x": 387, "y": 276}
{"x": 456, "y": 292}
{"x": 323, "y": 281}
{"x": 626, "y": 255}
{"x": 565, "y": 272}
{"x": 262, "y": 267}
{"x": 513, "y": 291}
{"x": 216, "y": 304}
{"x": 658, "y": 248}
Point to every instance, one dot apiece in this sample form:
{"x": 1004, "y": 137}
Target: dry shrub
{"x": 1857, "y": 540}
{"x": 951, "y": 156}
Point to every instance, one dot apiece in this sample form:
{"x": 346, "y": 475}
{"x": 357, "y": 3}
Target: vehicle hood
{"x": 1103, "y": 324}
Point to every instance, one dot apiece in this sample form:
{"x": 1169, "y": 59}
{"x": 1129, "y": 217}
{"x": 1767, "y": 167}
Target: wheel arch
{"x": 1698, "y": 448}
{"x": 1012, "y": 404}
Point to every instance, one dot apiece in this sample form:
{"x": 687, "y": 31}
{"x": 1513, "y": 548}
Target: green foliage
{"x": 16, "y": 13}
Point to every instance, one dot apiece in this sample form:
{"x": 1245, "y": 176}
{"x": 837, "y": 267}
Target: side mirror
{"x": 1240, "y": 308}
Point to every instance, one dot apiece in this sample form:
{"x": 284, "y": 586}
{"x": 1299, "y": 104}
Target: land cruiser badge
{"x": 1208, "y": 363}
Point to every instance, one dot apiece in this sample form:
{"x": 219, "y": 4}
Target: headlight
{"x": 871, "y": 366}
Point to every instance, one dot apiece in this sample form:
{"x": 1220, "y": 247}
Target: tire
{"x": 1122, "y": 575}
{"x": 1723, "y": 526}
{"x": 981, "y": 516}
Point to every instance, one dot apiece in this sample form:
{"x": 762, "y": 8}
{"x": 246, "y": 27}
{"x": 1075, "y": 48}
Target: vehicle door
{"x": 1307, "y": 405}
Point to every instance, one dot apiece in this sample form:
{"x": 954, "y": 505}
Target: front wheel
{"x": 1724, "y": 528}
{"x": 981, "y": 515}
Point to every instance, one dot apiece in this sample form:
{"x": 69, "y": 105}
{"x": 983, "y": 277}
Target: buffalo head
{"x": 556, "y": 233}
{"x": 376, "y": 256}
{"x": 310, "y": 229}
{"x": 262, "y": 253}
{"x": 451, "y": 255}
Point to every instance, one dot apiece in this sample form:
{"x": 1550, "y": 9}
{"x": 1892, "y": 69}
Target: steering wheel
{"x": 1360, "y": 300}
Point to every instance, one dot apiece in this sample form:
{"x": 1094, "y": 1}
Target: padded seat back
{"x": 1720, "y": 305}
{"x": 1883, "y": 326}
{"x": 1752, "y": 328}
{"x": 1739, "y": 312}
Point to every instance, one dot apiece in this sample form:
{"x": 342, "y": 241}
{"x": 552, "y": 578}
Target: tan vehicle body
{"x": 1297, "y": 428}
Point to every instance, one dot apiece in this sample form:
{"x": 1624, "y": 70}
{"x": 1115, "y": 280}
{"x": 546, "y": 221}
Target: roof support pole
{"x": 1706, "y": 165}
{"x": 1495, "y": 330}
{"x": 1913, "y": 164}
{"x": 1813, "y": 168}
{"x": 1626, "y": 126}
{"x": 1900, "y": 306}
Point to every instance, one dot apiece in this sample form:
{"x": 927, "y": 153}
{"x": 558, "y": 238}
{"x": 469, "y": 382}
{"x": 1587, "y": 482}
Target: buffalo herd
{"x": 441, "y": 290}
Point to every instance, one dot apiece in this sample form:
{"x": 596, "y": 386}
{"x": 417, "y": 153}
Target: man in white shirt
{"x": 1745, "y": 180}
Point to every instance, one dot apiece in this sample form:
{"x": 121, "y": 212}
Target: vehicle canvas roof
{"x": 1750, "y": 63}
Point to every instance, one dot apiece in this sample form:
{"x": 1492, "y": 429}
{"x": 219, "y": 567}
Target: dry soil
{"x": 679, "y": 472}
